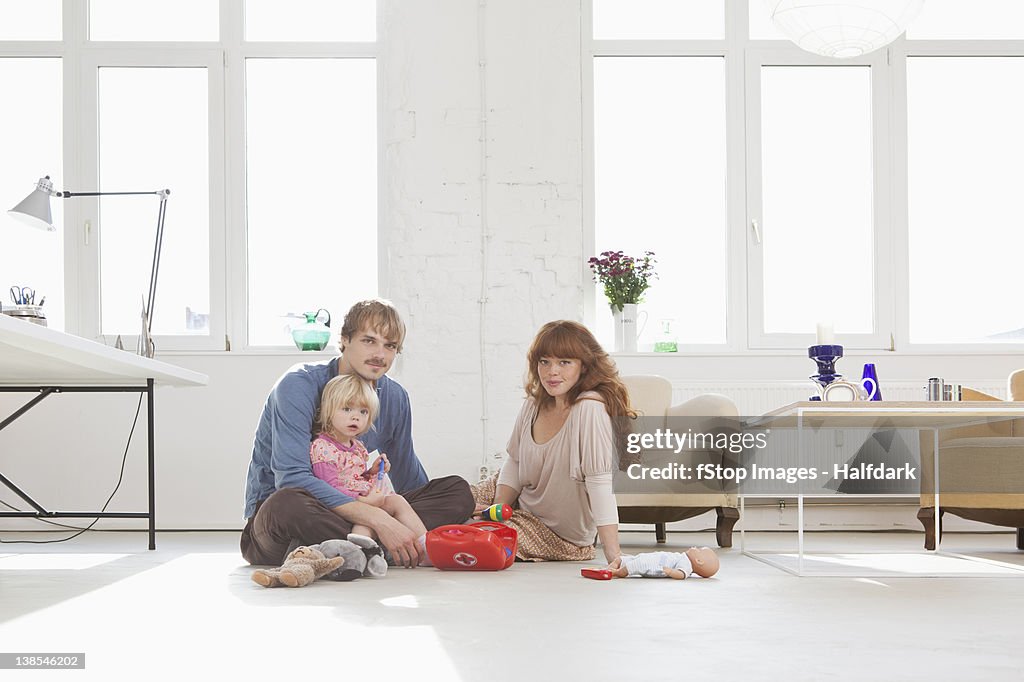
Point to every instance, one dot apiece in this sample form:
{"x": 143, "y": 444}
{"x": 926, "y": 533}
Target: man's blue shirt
{"x": 280, "y": 453}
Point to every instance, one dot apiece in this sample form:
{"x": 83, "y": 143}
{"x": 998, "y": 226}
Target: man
{"x": 286, "y": 505}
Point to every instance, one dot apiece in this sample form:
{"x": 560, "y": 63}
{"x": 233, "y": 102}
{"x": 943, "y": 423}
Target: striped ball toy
{"x": 497, "y": 512}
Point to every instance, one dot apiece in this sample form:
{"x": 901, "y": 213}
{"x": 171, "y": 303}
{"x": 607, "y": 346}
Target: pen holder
{"x": 29, "y": 313}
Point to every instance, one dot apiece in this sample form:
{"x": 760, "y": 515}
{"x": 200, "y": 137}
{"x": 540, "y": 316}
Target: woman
{"x": 563, "y": 449}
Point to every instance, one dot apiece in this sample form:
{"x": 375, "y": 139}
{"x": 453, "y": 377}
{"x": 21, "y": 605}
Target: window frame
{"x": 726, "y": 49}
{"x": 744, "y": 59}
{"x": 882, "y": 308}
{"x": 237, "y": 50}
{"x": 85, "y": 210}
{"x": 900, "y": 50}
{"x": 224, "y": 61}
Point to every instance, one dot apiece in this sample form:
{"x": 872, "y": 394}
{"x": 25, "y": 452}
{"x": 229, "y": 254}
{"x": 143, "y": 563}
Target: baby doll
{"x": 700, "y": 560}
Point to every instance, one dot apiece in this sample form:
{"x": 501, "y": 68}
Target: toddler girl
{"x": 348, "y": 407}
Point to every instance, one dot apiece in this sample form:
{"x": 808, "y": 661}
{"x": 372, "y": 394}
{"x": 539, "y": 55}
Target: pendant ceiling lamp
{"x": 843, "y": 28}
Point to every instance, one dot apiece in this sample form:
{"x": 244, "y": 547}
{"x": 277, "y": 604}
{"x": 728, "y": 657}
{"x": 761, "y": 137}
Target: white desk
{"x": 35, "y": 359}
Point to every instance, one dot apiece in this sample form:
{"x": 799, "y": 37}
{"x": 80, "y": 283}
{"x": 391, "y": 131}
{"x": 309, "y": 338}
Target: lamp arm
{"x": 155, "y": 268}
{"x": 66, "y": 194}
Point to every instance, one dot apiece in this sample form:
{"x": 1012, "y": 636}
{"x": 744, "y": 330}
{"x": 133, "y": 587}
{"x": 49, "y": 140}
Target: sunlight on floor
{"x": 911, "y": 565}
{"x": 55, "y": 562}
{"x": 207, "y": 612}
{"x": 405, "y": 601}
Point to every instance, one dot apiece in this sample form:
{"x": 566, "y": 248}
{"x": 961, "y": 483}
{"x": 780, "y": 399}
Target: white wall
{"x": 436, "y": 210}
{"x": 449, "y": 240}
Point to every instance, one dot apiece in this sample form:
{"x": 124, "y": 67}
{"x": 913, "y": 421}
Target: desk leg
{"x": 152, "y": 460}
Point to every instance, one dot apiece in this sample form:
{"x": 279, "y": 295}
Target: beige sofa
{"x": 651, "y": 396}
{"x": 981, "y": 470}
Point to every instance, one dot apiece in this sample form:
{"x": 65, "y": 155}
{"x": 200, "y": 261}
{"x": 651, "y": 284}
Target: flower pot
{"x": 617, "y": 327}
{"x": 628, "y": 326}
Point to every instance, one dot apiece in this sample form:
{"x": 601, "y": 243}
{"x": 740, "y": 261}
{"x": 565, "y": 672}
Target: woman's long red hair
{"x": 571, "y": 340}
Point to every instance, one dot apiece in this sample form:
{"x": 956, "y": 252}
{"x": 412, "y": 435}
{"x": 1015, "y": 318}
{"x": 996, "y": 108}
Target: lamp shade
{"x": 34, "y": 209}
{"x": 843, "y": 28}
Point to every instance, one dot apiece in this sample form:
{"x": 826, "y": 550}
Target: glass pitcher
{"x": 313, "y": 335}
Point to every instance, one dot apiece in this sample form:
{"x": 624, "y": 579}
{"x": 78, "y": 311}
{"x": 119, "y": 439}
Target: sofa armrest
{"x": 705, "y": 405}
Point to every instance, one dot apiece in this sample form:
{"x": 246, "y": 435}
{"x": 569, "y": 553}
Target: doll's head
{"x": 348, "y": 406}
{"x": 704, "y": 560}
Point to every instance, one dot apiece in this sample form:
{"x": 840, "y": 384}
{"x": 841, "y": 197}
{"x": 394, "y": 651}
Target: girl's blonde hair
{"x": 346, "y": 390}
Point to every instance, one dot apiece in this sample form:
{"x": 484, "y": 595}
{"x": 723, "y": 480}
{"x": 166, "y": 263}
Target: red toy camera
{"x": 481, "y": 546}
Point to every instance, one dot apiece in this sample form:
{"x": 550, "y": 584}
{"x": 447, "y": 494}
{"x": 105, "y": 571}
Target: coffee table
{"x": 806, "y": 416}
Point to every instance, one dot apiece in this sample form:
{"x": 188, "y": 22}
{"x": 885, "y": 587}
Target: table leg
{"x": 152, "y": 460}
{"x": 938, "y": 510}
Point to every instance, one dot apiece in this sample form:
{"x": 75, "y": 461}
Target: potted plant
{"x": 625, "y": 279}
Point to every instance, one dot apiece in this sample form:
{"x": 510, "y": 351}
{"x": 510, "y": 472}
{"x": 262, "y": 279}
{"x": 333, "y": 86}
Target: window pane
{"x": 151, "y": 20}
{"x": 31, "y": 142}
{"x": 979, "y": 19}
{"x": 666, "y": 19}
{"x": 311, "y": 187}
{"x": 146, "y": 145}
{"x": 964, "y": 145}
{"x": 30, "y": 20}
{"x": 660, "y": 185}
{"x": 817, "y": 198}
{"x": 311, "y": 20}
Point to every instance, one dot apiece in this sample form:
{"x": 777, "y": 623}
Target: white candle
{"x": 825, "y": 335}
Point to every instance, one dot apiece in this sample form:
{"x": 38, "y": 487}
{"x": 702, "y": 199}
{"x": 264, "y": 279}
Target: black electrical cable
{"x": 120, "y": 477}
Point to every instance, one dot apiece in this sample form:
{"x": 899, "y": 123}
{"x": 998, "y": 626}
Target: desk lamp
{"x": 35, "y": 211}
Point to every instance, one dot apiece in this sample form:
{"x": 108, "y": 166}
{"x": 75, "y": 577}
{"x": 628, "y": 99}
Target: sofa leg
{"x": 926, "y": 515}
{"x": 659, "y": 533}
{"x": 1020, "y": 538}
{"x": 727, "y": 518}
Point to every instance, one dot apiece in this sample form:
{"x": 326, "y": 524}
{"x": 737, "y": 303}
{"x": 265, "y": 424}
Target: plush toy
{"x": 302, "y": 566}
{"x": 362, "y": 555}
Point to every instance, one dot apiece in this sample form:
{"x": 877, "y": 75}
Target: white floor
{"x": 189, "y": 608}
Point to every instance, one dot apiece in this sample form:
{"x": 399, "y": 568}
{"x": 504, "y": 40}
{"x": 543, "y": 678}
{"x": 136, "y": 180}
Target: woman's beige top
{"x": 567, "y": 481}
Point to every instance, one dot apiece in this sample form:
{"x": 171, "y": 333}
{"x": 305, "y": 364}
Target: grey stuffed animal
{"x": 362, "y": 555}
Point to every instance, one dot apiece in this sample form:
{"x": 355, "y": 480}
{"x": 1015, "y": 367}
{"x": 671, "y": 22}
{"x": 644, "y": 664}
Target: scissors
{"x": 23, "y": 295}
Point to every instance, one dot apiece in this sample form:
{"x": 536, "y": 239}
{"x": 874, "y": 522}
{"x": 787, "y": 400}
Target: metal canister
{"x": 29, "y": 313}
{"x": 935, "y": 388}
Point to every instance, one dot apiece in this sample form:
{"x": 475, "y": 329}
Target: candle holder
{"x": 825, "y": 355}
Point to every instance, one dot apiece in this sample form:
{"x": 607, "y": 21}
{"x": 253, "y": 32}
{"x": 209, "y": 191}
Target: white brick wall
{"x": 443, "y": 110}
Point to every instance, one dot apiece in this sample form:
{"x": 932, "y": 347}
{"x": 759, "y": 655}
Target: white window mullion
{"x": 885, "y": 205}
{"x": 590, "y": 295}
{"x": 75, "y": 295}
{"x": 235, "y": 261}
{"x": 736, "y": 31}
{"x": 900, "y": 253}
{"x": 81, "y": 214}
{"x": 753, "y": 227}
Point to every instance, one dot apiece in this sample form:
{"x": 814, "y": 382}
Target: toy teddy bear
{"x": 362, "y": 556}
{"x": 302, "y": 566}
